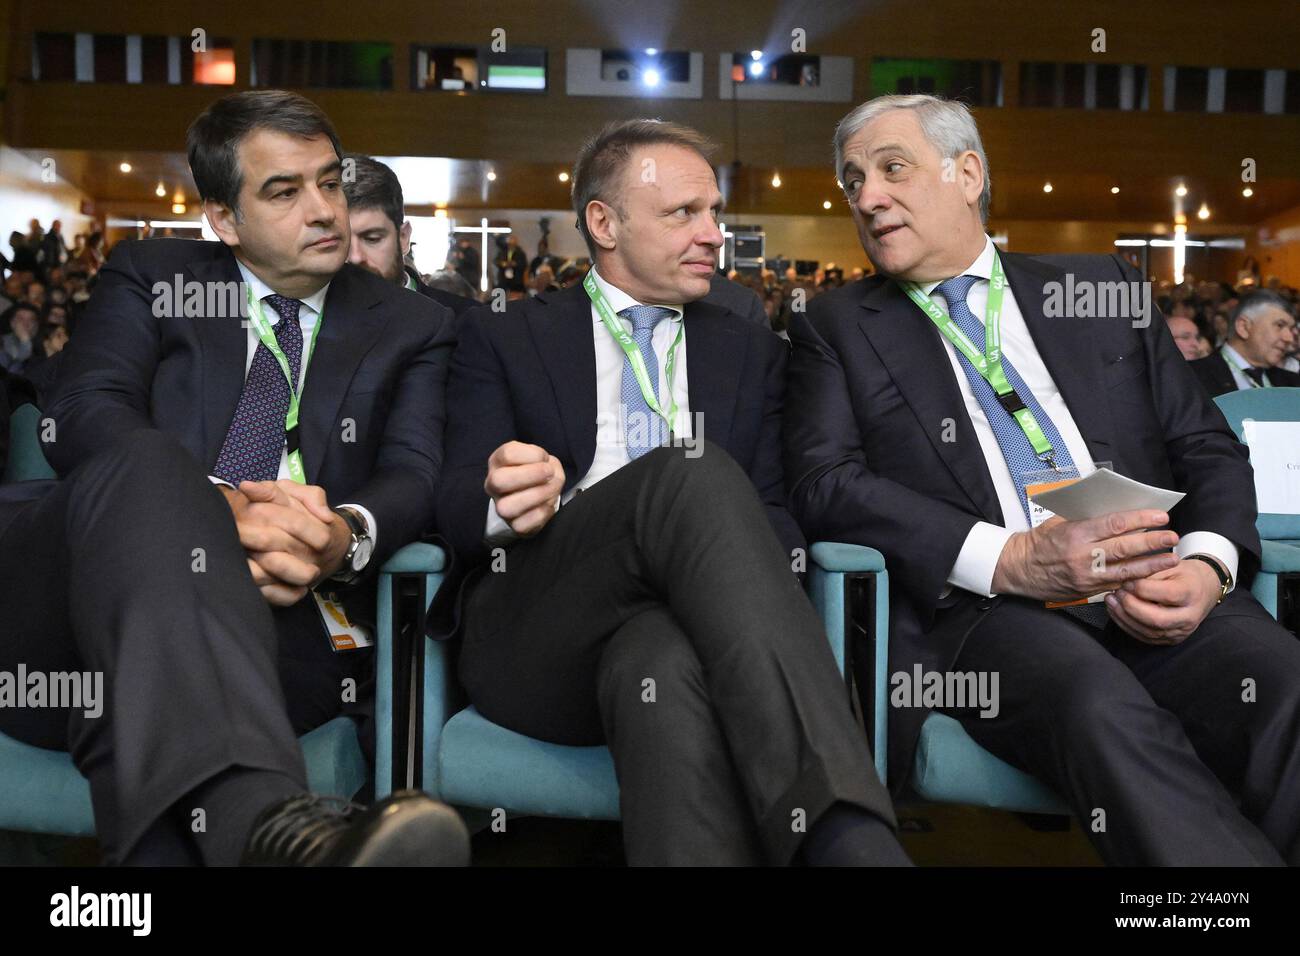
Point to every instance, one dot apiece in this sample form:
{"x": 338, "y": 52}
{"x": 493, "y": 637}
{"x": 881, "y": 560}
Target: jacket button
{"x": 985, "y": 606}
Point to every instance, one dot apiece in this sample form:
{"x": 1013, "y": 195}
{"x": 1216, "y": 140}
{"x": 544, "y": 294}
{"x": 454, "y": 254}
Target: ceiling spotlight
{"x": 651, "y": 51}
{"x": 160, "y": 191}
{"x": 1114, "y": 190}
{"x": 776, "y": 180}
{"x": 826, "y": 204}
{"x": 1181, "y": 190}
{"x": 125, "y": 167}
{"x": 178, "y": 208}
{"x": 1248, "y": 192}
{"x": 491, "y": 176}
{"x": 564, "y": 177}
{"x": 1047, "y": 187}
{"x": 650, "y": 77}
{"x": 1203, "y": 212}
{"x": 756, "y": 54}
{"x": 756, "y": 68}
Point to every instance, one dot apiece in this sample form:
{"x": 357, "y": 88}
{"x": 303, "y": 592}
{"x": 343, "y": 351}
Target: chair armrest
{"x": 408, "y": 580}
{"x": 849, "y": 586}
{"x": 1279, "y": 558}
{"x": 416, "y": 558}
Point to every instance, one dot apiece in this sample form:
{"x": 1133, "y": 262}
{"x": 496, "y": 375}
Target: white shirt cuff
{"x": 498, "y": 530}
{"x": 978, "y": 559}
{"x": 1215, "y": 545}
{"x": 372, "y": 527}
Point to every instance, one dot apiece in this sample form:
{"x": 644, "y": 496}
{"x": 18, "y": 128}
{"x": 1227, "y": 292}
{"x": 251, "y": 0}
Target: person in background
{"x": 381, "y": 235}
{"x": 1186, "y": 336}
{"x": 24, "y": 321}
{"x": 1260, "y": 335}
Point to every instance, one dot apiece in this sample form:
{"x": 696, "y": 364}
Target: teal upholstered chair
{"x": 464, "y": 759}
{"x": 1277, "y": 586}
{"x": 41, "y": 791}
{"x": 849, "y": 586}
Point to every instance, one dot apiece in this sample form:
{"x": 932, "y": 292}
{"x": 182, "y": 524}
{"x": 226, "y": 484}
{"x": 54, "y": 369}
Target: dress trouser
{"x": 657, "y": 612}
{"x": 1168, "y": 755}
{"x": 132, "y": 567}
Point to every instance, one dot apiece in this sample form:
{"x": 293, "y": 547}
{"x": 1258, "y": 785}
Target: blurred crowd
{"x": 46, "y": 285}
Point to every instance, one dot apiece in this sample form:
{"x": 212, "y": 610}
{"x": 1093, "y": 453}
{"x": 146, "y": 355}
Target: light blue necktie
{"x": 1016, "y": 449}
{"x": 642, "y": 426}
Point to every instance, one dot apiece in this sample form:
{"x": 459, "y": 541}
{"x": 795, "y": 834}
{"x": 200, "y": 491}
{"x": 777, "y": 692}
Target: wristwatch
{"x": 359, "y": 548}
{"x": 1225, "y": 579}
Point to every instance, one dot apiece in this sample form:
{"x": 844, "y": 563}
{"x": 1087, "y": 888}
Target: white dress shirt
{"x": 978, "y": 558}
{"x": 611, "y": 436}
{"x": 308, "y": 318}
{"x": 1237, "y": 365}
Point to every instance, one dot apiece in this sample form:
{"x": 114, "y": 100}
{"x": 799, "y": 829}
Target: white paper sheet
{"x": 1102, "y": 492}
{"x": 1275, "y": 456}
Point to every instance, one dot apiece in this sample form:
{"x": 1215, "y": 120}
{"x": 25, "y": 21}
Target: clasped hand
{"x": 1156, "y": 597}
{"x": 292, "y": 538}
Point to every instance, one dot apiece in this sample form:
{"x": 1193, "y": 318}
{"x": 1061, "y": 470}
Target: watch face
{"x": 365, "y": 547}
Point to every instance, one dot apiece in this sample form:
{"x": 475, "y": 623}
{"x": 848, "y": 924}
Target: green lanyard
{"x": 633, "y": 352}
{"x": 989, "y": 362}
{"x": 266, "y": 332}
{"x": 1231, "y": 364}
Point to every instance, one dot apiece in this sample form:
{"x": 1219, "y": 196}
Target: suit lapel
{"x": 715, "y": 356}
{"x": 1067, "y": 347}
{"x": 561, "y": 327}
{"x": 348, "y": 328}
{"x": 223, "y": 341}
{"x": 909, "y": 346}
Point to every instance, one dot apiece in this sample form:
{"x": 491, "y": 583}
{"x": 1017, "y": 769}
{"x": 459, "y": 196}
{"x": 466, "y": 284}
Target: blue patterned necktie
{"x": 255, "y": 439}
{"x": 1016, "y": 449}
{"x": 642, "y": 426}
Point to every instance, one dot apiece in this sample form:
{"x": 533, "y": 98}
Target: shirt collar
{"x": 982, "y": 267}
{"x": 260, "y": 290}
{"x": 1235, "y": 358}
{"x": 619, "y": 300}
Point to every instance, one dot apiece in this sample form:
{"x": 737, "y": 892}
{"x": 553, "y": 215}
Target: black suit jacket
{"x": 457, "y": 303}
{"x": 529, "y": 374}
{"x": 740, "y": 299}
{"x": 372, "y": 402}
{"x": 1216, "y": 376}
{"x": 871, "y": 389}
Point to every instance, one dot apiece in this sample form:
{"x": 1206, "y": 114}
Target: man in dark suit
{"x": 613, "y": 590}
{"x": 381, "y": 236}
{"x": 1261, "y": 331}
{"x": 184, "y": 494}
{"x": 737, "y": 298}
{"x": 1143, "y": 712}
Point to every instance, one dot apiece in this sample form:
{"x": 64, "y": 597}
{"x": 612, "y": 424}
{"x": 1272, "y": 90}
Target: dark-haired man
{"x": 381, "y": 236}
{"x": 629, "y": 566}
{"x": 234, "y": 417}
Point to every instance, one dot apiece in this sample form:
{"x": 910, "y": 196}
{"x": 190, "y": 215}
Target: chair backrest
{"x": 1265, "y": 405}
{"x": 26, "y": 461}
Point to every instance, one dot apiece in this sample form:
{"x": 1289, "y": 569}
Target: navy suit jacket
{"x": 371, "y": 414}
{"x": 529, "y": 374}
{"x": 871, "y": 390}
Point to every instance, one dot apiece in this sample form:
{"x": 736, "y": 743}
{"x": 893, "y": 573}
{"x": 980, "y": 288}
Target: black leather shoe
{"x": 407, "y": 828}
